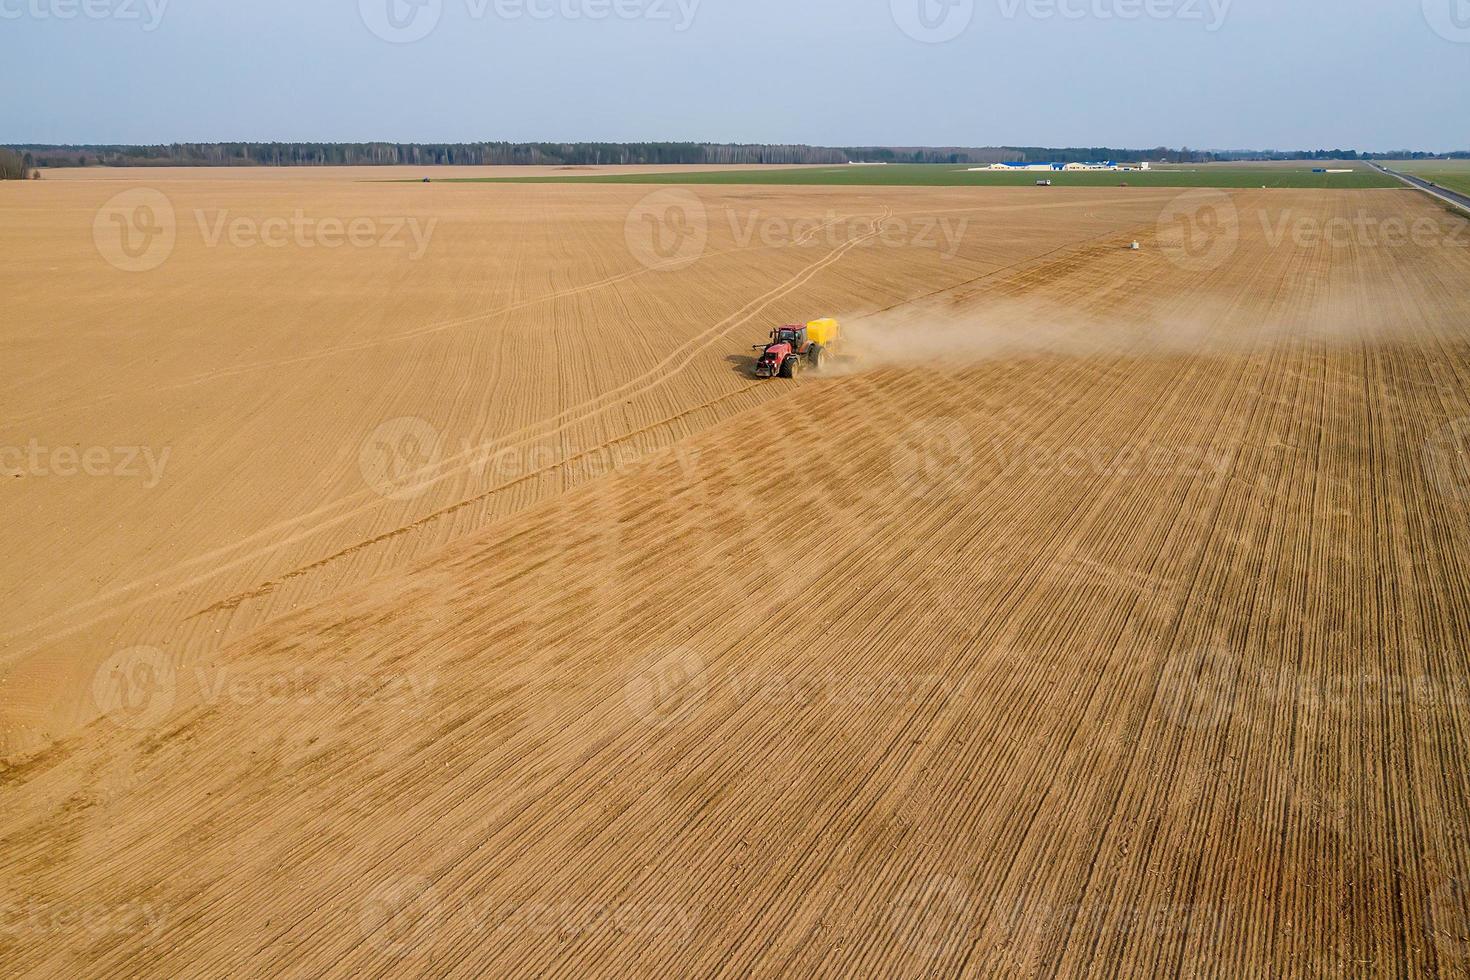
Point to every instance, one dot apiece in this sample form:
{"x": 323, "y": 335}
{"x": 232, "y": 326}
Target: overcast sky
{"x": 1370, "y": 74}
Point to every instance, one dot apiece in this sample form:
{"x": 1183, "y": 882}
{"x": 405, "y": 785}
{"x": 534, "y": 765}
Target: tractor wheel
{"x": 791, "y": 366}
{"x": 819, "y": 357}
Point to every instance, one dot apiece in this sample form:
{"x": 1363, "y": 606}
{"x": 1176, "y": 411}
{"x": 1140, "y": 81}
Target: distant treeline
{"x": 564, "y": 154}
{"x": 15, "y": 166}
{"x": 423, "y": 154}
{"x": 1235, "y": 155}
{"x": 602, "y": 154}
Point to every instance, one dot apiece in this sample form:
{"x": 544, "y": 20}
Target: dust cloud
{"x": 949, "y": 338}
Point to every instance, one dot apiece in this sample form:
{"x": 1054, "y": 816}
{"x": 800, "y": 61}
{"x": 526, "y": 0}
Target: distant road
{"x": 1444, "y": 194}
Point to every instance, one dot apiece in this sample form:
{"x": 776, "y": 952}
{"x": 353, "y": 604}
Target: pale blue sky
{"x": 1371, "y": 74}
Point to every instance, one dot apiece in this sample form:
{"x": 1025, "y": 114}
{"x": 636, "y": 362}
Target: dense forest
{"x": 595, "y": 154}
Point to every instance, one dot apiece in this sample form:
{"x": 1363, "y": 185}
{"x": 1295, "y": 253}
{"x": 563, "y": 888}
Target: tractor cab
{"x": 795, "y": 336}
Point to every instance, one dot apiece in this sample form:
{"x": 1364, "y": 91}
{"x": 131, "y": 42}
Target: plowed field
{"x": 467, "y": 609}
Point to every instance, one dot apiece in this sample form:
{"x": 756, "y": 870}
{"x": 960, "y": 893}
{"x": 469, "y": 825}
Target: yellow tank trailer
{"x": 824, "y": 332}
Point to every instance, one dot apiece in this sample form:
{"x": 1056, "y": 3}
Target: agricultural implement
{"x": 796, "y": 347}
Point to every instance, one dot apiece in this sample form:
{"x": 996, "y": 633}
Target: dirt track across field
{"x": 1104, "y": 614}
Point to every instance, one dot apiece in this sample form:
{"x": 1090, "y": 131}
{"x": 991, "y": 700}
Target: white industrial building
{"x": 1061, "y": 167}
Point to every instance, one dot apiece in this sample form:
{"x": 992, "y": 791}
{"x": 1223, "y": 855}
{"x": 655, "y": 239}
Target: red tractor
{"x": 796, "y": 346}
